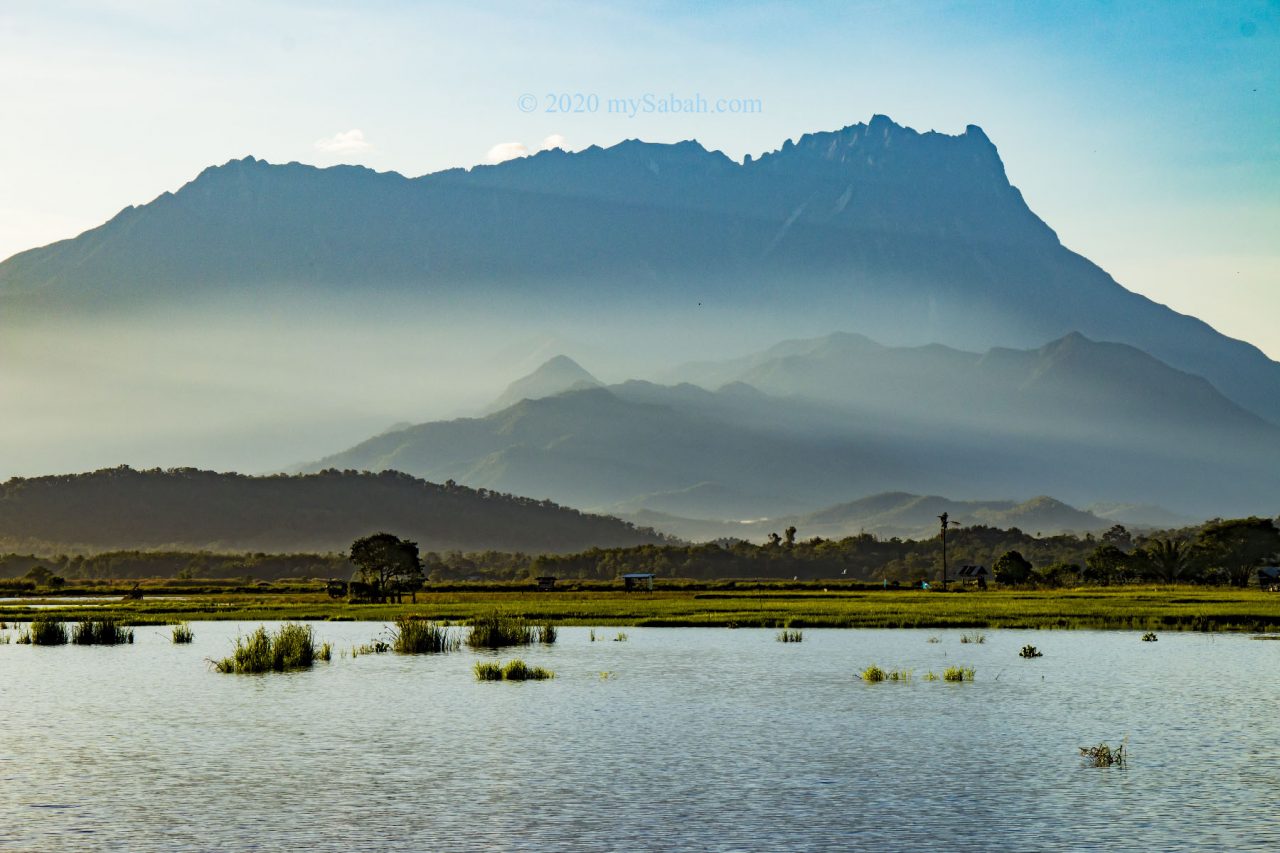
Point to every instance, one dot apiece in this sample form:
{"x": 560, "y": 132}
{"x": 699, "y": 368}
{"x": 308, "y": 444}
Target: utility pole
{"x": 945, "y": 523}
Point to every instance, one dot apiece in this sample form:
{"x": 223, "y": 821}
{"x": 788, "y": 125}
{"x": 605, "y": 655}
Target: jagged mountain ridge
{"x": 874, "y": 225}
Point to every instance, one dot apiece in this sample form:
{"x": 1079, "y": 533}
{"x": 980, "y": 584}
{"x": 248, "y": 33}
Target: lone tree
{"x": 1238, "y": 546}
{"x": 388, "y": 565}
{"x": 1011, "y": 568}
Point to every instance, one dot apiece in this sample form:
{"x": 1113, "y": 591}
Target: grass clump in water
{"x": 182, "y": 633}
{"x": 974, "y": 637}
{"x": 1149, "y": 637}
{"x": 958, "y": 673}
{"x": 292, "y": 647}
{"x": 45, "y": 632}
{"x": 417, "y": 637}
{"x": 516, "y": 670}
{"x": 546, "y": 633}
{"x": 933, "y": 640}
{"x": 488, "y": 671}
{"x": 377, "y": 647}
{"x": 790, "y": 635}
{"x": 496, "y": 630}
{"x": 1030, "y": 651}
{"x": 1103, "y": 755}
{"x": 100, "y": 632}
{"x": 930, "y": 676}
{"x": 621, "y": 638}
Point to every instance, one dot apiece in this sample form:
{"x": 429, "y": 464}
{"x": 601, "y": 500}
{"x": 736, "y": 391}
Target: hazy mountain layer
{"x": 190, "y": 509}
{"x": 909, "y": 237}
{"x": 889, "y": 514}
{"x": 1083, "y": 420}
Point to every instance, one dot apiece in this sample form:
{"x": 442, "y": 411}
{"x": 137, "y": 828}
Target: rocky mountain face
{"x": 906, "y": 236}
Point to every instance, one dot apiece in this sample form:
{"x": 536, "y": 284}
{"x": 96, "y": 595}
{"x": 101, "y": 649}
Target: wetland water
{"x": 700, "y": 739}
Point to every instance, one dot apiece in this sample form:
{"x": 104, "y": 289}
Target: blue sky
{"x": 1146, "y": 134}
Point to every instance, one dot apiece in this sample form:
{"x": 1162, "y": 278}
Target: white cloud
{"x": 555, "y": 140}
{"x": 507, "y": 151}
{"x": 341, "y": 143}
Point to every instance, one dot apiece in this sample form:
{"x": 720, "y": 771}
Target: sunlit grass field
{"x": 1141, "y": 608}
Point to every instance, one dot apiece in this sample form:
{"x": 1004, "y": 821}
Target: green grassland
{"x": 1131, "y": 607}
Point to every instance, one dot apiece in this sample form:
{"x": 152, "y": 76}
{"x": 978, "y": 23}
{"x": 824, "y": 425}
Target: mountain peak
{"x": 556, "y": 375}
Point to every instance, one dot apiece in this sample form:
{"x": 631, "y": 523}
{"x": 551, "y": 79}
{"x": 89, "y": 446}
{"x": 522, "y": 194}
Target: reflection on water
{"x": 708, "y": 739}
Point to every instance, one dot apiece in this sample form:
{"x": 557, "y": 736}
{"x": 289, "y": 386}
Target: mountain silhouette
{"x": 910, "y": 237}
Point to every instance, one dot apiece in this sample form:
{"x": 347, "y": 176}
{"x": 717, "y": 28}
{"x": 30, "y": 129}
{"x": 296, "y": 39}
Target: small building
{"x": 546, "y": 584}
{"x": 1269, "y": 578}
{"x": 975, "y": 575}
{"x": 637, "y": 580}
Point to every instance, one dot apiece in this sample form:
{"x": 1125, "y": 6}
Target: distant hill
{"x": 121, "y": 508}
{"x": 554, "y": 376}
{"x": 889, "y": 514}
{"x": 1083, "y": 420}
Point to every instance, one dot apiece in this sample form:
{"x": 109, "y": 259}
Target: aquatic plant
{"x": 546, "y": 633}
{"x": 418, "y": 636}
{"x": 495, "y": 630}
{"x": 930, "y": 676}
{"x": 1103, "y": 755}
{"x": 591, "y": 635}
{"x": 790, "y": 635}
{"x": 516, "y": 670}
{"x": 1149, "y": 637}
{"x": 872, "y": 673}
{"x": 100, "y": 632}
{"x": 621, "y": 638}
{"x": 182, "y": 633}
{"x": 1030, "y": 651}
{"x": 933, "y": 640}
{"x": 974, "y": 637}
{"x": 377, "y": 647}
{"x": 958, "y": 673}
{"x": 325, "y": 652}
{"x": 488, "y": 671}
{"x": 292, "y": 647}
{"x": 44, "y": 632}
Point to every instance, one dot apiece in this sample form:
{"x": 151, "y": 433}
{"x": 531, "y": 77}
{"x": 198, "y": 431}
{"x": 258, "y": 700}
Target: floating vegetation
{"x": 933, "y": 640}
{"x": 182, "y": 633}
{"x": 790, "y": 635}
{"x": 1266, "y": 637}
{"x": 930, "y": 676}
{"x": 958, "y": 673}
{"x": 488, "y": 672}
{"x": 608, "y": 675}
{"x": 1030, "y": 651}
{"x": 418, "y": 637}
{"x": 546, "y": 633}
{"x": 974, "y": 637}
{"x": 621, "y": 638}
{"x": 377, "y": 647}
{"x": 45, "y": 632}
{"x": 292, "y": 647}
{"x": 1103, "y": 755}
{"x": 1149, "y": 637}
{"x": 495, "y": 630}
{"x": 516, "y": 670}
{"x": 100, "y": 632}
{"x": 874, "y": 674}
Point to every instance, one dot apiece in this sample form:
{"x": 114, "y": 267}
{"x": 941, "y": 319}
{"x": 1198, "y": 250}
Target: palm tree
{"x": 1169, "y": 558}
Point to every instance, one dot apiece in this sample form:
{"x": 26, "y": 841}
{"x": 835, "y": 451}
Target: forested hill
{"x": 189, "y": 508}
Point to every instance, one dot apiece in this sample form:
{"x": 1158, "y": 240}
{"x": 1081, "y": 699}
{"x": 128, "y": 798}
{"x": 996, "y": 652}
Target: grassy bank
{"x": 1130, "y": 608}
